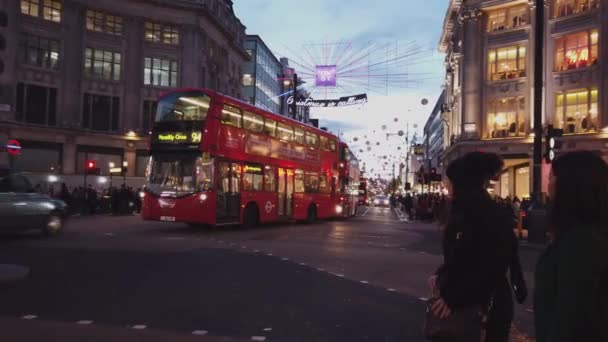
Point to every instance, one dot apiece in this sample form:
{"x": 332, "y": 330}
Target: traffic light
{"x": 552, "y": 143}
{"x": 91, "y": 167}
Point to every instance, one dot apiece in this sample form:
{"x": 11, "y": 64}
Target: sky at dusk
{"x": 402, "y": 25}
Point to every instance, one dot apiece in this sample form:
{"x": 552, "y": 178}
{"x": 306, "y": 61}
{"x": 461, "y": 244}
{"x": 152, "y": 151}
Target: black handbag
{"x": 518, "y": 282}
{"x": 467, "y": 322}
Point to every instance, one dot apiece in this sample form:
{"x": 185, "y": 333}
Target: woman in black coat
{"x": 478, "y": 246}
{"x": 571, "y": 293}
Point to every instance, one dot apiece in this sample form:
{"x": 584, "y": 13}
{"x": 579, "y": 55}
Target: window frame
{"x": 161, "y": 33}
{"x": 103, "y": 22}
{"x": 509, "y": 18}
{"x": 560, "y": 63}
{"x": 561, "y": 112}
{"x": 43, "y": 51}
{"x": 313, "y": 141}
{"x": 247, "y": 115}
{"x": 270, "y": 178}
{"x": 114, "y": 63}
{"x": 287, "y": 129}
{"x": 226, "y": 112}
{"x": 520, "y": 117}
{"x": 493, "y": 62}
{"x": 563, "y": 12}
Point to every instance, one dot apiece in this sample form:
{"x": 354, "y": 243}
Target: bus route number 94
{"x": 195, "y": 137}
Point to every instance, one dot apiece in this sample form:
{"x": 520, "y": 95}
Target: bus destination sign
{"x": 178, "y": 137}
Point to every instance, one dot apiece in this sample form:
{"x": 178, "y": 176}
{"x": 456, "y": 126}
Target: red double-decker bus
{"x": 217, "y": 160}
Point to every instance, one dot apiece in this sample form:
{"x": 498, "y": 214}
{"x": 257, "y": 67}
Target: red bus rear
{"x": 217, "y": 160}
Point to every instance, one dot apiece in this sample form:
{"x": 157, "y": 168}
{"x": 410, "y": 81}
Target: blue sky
{"x": 287, "y": 25}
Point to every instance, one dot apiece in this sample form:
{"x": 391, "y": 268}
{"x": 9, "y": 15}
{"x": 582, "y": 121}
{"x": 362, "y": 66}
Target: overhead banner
{"x": 341, "y": 102}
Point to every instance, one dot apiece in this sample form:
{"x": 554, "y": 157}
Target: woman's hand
{"x": 441, "y": 309}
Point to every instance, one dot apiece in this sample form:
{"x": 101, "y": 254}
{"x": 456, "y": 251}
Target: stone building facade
{"x": 489, "y": 47}
{"x": 81, "y": 77}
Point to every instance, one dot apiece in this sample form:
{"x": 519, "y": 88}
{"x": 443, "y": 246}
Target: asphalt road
{"x": 122, "y": 279}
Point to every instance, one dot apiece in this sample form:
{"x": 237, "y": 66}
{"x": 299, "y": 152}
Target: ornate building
{"x": 81, "y": 77}
{"x": 489, "y": 47}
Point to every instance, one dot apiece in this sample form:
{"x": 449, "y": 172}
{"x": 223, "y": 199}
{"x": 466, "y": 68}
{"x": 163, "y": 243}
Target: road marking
{"x": 391, "y": 290}
{"x": 386, "y": 245}
{"x": 421, "y": 252}
{"x": 200, "y": 332}
{"x": 84, "y": 322}
{"x": 424, "y": 299}
{"x": 302, "y": 264}
{"x": 401, "y": 249}
{"x": 29, "y": 317}
{"x": 139, "y": 327}
{"x": 258, "y": 338}
{"x": 320, "y": 269}
{"x": 267, "y": 329}
{"x": 285, "y": 259}
{"x": 364, "y": 282}
{"x": 365, "y": 212}
{"x": 244, "y": 247}
{"x": 339, "y": 275}
{"x": 269, "y": 254}
{"x": 257, "y": 251}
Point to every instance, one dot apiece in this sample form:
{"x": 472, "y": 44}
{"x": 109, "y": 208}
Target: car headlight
{"x": 376, "y": 202}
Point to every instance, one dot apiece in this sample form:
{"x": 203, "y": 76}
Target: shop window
{"x": 506, "y": 63}
{"x": 36, "y": 104}
{"x": 565, "y": 8}
{"x": 299, "y": 135}
{"x": 38, "y": 51}
{"x": 231, "y": 116}
{"x": 253, "y": 122}
{"x": 99, "y": 21}
{"x": 506, "y": 118}
{"x": 312, "y": 139}
{"x": 577, "y": 111}
{"x": 253, "y": 177}
{"x": 270, "y": 127}
{"x": 102, "y": 64}
{"x": 285, "y": 132}
{"x": 100, "y": 112}
{"x": 161, "y": 33}
{"x": 507, "y": 18}
{"x": 576, "y": 50}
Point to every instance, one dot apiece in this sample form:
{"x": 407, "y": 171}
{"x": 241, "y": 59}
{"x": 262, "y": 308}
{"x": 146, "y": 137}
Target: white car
{"x": 381, "y": 201}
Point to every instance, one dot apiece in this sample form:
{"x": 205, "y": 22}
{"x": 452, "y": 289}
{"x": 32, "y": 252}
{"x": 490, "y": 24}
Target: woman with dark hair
{"x": 571, "y": 293}
{"x": 478, "y": 246}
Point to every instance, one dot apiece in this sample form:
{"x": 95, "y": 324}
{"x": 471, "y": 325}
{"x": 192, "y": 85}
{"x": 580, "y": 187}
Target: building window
{"x": 30, "y": 7}
{"x": 507, "y": 63}
{"x": 102, "y": 64}
{"x": 160, "y": 72}
{"x": 248, "y": 80}
{"x": 103, "y": 22}
{"x": 565, "y": 8}
{"x": 506, "y": 118}
{"x": 148, "y": 115}
{"x": 576, "y": 50}
{"x": 577, "y": 111}
{"x": 36, "y": 104}
{"x": 507, "y": 18}
{"x": 100, "y": 112}
{"x": 39, "y": 51}
{"x": 161, "y": 33}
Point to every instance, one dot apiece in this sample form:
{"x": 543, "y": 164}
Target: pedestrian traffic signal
{"x": 91, "y": 164}
{"x": 552, "y": 143}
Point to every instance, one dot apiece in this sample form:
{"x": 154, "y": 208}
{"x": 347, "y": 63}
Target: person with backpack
{"x": 571, "y": 278}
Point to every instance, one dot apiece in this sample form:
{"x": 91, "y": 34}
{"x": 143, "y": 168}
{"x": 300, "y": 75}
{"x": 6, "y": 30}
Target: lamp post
{"x": 538, "y": 98}
{"x": 125, "y": 164}
{"x": 111, "y": 165}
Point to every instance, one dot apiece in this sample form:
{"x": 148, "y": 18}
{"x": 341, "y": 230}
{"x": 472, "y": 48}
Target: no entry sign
{"x": 13, "y": 147}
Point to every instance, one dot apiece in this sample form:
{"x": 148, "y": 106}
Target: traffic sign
{"x": 13, "y": 147}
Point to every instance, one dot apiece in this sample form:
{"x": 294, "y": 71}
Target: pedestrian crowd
{"x": 474, "y": 289}
{"x": 90, "y": 201}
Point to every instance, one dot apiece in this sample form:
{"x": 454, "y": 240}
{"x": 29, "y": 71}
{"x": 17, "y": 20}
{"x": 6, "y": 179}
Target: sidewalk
{"x": 35, "y": 330}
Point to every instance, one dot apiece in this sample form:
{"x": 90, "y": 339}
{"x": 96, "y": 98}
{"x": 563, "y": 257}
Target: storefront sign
{"x": 13, "y": 147}
{"x": 252, "y": 169}
{"x": 341, "y": 102}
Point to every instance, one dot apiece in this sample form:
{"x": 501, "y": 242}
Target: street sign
{"x": 13, "y": 147}
{"x": 116, "y": 170}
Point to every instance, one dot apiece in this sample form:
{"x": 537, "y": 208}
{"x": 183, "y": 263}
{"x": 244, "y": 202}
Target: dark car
{"x": 22, "y": 209}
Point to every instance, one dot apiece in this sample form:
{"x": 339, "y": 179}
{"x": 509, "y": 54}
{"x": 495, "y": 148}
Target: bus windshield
{"x": 178, "y": 175}
{"x": 183, "y": 106}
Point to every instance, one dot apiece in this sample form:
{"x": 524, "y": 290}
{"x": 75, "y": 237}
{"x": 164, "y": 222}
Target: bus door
{"x": 228, "y": 193}
{"x": 285, "y": 193}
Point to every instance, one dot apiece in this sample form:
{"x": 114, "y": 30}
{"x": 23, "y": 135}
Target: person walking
{"x": 478, "y": 248}
{"x": 571, "y": 278}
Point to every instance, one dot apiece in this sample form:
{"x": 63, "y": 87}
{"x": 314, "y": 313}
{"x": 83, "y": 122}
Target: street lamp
{"x": 125, "y": 164}
{"x": 111, "y": 165}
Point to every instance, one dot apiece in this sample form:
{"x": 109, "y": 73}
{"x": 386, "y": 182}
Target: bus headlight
{"x": 203, "y": 197}
{"x": 142, "y": 194}
{"x": 339, "y": 209}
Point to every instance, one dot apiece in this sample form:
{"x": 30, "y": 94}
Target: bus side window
{"x": 270, "y": 127}
{"x": 324, "y": 143}
{"x": 312, "y": 140}
{"x": 299, "y": 135}
{"x": 253, "y": 122}
{"x": 332, "y": 145}
{"x": 270, "y": 179}
{"x": 231, "y": 116}
{"x": 285, "y": 132}
{"x": 299, "y": 181}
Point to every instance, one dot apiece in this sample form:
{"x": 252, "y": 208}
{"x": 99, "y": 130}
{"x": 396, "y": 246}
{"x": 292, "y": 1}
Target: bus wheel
{"x": 251, "y": 219}
{"x": 311, "y": 217}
